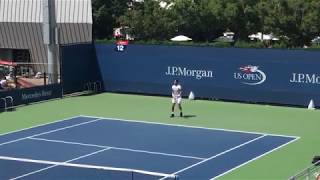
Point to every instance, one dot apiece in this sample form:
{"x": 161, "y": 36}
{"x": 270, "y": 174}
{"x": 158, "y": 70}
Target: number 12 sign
{"x": 121, "y": 45}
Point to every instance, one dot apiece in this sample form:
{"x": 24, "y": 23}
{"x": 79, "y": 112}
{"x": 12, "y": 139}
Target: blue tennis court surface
{"x": 85, "y": 147}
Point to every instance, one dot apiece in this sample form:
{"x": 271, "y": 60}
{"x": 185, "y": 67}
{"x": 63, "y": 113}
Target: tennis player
{"x": 176, "y": 97}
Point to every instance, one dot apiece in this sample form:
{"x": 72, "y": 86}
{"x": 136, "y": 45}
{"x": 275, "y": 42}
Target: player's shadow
{"x": 188, "y": 116}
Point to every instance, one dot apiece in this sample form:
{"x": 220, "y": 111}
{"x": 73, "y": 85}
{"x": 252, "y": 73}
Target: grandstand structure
{"x": 21, "y": 27}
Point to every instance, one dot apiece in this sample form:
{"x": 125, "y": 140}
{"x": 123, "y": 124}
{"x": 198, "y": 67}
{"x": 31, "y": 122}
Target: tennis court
{"x": 85, "y": 147}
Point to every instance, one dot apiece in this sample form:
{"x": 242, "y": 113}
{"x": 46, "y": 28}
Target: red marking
{"x": 123, "y": 42}
{"x": 24, "y": 84}
{"x": 246, "y": 69}
{"x": 7, "y": 62}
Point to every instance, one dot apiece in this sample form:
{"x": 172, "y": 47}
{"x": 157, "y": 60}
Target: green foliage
{"x": 283, "y": 43}
{"x": 206, "y": 20}
{"x": 222, "y": 44}
{"x": 105, "y": 41}
{"x": 245, "y": 44}
{"x": 105, "y": 15}
{"x": 315, "y": 46}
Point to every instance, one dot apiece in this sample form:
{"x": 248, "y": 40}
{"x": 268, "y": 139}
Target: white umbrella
{"x": 181, "y": 38}
{"x": 254, "y": 36}
{"x": 263, "y": 37}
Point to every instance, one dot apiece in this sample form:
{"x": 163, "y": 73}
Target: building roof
{"x": 67, "y": 11}
{"x": 21, "y": 26}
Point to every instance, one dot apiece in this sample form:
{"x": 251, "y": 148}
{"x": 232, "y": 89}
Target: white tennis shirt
{"x": 176, "y": 91}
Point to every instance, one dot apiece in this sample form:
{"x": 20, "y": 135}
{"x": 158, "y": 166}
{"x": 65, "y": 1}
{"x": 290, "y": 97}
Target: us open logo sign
{"x": 250, "y": 75}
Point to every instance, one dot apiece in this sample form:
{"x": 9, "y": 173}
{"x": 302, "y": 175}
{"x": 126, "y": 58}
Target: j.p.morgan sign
{"x": 302, "y": 78}
{"x": 187, "y": 72}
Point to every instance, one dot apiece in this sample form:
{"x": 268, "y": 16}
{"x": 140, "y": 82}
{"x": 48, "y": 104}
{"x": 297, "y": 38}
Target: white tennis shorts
{"x": 176, "y": 100}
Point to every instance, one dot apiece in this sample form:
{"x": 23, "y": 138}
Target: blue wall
{"x": 275, "y": 76}
{"x": 79, "y": 66}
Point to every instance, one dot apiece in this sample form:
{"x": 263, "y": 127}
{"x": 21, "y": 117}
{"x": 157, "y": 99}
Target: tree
{"x": 241, "y": 17}
{"x": 204, "y": 20}
{"x": 105, "y": 15}
{"x": 201, "y": 20}
{"x": 149, "y": 21}
{"x": 295, "y": 19}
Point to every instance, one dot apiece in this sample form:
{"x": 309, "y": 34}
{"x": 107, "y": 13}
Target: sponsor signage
{"x": 302, "y": 78}
{"x": 254, "y": 75}
{"x": 34, "y": 94}
{"x": 250, "y": 75}
{"x": 198, "y": 74}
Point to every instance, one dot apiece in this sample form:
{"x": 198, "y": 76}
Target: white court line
{"x": 47, "y": 132}
{"x": 68, "y": 164}
{"x": 55, "y": 163}
{"x": 156, "y": 123}
{"x": 217, "y": 155}
{"x": 61, "y": 120}
{"x": 118, "y": 148}
{"x": 254, "y": 159}
{"x": 187, "y": 126}
{"x": 67, "y": 142}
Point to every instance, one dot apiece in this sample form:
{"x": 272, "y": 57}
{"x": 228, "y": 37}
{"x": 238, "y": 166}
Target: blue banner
{"x": 253, "y": 75}
{"x": 30, "y": 95}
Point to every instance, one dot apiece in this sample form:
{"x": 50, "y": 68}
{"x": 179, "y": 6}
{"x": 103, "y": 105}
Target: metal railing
{"x": 93, "y": 87}
{"x": 310, "y": 173}
{"x": 7, "y": 102}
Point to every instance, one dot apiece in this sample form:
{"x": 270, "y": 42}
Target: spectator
{"x": 10, "y": 77}
{"x": 3, "y": 83}
{"x": 38, "y": 75}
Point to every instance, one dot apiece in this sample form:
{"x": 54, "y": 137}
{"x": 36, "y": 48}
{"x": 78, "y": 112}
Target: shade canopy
{"x": 181, "y": 38}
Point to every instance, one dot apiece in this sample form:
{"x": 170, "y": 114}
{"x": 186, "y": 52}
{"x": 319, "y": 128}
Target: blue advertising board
{"x": 30, "y": 95}
{"x": 253, "y": 75}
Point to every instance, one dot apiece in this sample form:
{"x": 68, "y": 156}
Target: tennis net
{"x": 42, "y": 169}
